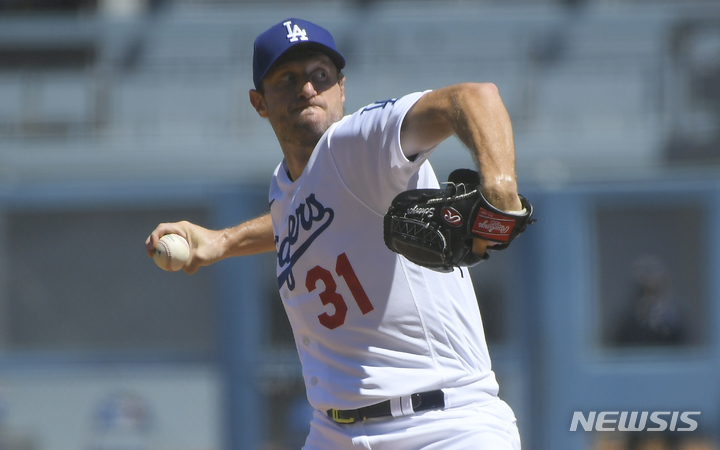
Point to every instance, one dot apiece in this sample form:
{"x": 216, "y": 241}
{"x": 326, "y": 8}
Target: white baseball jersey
{"x": 368, "y": 324}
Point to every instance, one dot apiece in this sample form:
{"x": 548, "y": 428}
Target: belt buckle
{"x": 336, "y": 417}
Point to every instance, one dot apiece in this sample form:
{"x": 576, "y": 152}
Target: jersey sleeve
{"x": 368, "y": 156}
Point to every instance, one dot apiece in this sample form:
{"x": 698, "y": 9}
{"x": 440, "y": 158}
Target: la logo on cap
{"x": 295, "y": 33}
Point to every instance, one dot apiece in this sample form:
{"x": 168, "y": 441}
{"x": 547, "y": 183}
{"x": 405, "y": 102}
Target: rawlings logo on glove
{"x": 435, "y": 228}
{"x": 452, "y": 217}
{"x": 492, "y": 226}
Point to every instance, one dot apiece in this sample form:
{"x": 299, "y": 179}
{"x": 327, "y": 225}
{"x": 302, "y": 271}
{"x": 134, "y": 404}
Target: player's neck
{"x": 296, "y": 161}
{"x": 297, "y": 149}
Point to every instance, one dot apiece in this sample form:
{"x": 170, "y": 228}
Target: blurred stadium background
{"x": 116, "y": 115}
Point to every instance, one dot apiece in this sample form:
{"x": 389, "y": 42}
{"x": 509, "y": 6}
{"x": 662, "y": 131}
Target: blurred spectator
{"x": 653, "y": 317}
{"x": 651, "y": 441}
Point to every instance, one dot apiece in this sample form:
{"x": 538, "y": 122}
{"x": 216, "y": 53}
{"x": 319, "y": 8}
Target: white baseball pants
{"x": 489, "y": 425}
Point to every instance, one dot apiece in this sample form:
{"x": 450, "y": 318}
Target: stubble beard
{"x": 308, "y": 132}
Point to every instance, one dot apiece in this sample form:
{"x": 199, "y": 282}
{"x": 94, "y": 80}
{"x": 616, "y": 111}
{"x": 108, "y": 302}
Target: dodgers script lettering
{"x": 311, "y": 215}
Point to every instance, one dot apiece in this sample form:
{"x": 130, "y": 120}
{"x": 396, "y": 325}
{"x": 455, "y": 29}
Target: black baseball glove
{"x": 435, "y": 228}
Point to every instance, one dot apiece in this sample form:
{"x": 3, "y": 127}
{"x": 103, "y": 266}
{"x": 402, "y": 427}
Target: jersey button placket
{"x": 307, "y": 343}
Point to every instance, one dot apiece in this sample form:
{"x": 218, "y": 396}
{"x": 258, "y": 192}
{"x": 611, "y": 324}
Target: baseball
{"x": 171, "y": 252}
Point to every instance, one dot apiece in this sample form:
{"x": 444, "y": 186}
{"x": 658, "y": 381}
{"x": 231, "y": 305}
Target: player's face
{"x": 302, "y": 98}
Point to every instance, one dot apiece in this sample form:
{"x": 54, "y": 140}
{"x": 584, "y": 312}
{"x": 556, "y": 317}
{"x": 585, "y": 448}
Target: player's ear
{"x": 258, "y": 102}
{"x": 341, "y": 83}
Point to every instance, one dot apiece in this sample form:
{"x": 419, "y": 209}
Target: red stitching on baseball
{"x": 168, "y": 256}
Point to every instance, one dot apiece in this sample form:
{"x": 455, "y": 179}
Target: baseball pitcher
{"x": 370, "y": 249}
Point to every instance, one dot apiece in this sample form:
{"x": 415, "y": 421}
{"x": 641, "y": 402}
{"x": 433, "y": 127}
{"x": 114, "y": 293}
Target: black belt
{"x": 402, "y": 406}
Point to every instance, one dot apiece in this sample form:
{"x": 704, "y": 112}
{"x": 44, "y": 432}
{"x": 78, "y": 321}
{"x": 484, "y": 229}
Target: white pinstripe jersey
{"x": 368, "y": 324}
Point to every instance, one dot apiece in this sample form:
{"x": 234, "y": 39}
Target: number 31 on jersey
{"x": 329, "y": 295}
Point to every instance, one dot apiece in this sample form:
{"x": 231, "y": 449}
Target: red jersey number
{"x": 329, "y": 295}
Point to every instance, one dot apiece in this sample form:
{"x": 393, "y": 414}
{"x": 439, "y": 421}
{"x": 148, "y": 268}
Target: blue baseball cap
{"x": 278, "y": 39}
